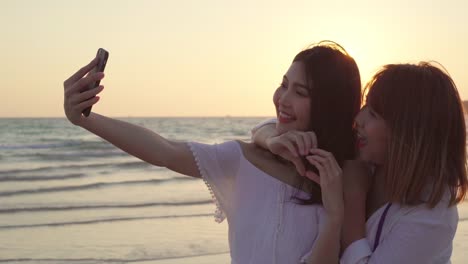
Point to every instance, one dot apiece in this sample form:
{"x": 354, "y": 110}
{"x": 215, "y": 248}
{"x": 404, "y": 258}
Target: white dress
{"x": 266, "y": 224}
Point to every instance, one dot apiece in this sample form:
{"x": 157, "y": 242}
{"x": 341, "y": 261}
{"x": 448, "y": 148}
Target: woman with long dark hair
{"x": 273, "y": 213}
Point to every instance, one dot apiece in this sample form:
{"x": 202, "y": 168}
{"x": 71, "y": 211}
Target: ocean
{"x": 67, "y": 196}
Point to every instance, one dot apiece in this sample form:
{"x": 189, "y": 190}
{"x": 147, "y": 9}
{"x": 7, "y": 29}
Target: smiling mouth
{"x": 361, "y": 143}
{"x": 285, "y": 118}
{"x": 361, "y": 140}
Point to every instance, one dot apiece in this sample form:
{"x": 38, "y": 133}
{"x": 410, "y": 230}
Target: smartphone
{"x": 102, "y": 56}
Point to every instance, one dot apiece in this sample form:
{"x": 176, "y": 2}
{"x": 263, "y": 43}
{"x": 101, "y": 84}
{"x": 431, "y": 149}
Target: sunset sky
{"x": 208, "y": 57}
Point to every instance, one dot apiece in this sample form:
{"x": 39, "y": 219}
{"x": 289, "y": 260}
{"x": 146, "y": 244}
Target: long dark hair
{"x": 334, "y": 85}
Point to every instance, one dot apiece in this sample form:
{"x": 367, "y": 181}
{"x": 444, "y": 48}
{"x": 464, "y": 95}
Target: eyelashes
{"x": 298, "y": 91}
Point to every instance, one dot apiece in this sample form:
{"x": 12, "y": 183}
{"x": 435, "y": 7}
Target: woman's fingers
{"x": 286, "y": 149}
{"x": 328, "y": 156}
{"x": 80, "y": 107}
{"x": 290, "y": 147}
{"x": 88, "y": 94}
{"x": 325, "y": 164}
{"x": 85, "y": 83}
{"x": 76, "y": 92}
{"x": 313, "y": 176}
{"x": 329, "y": 171}
{"x": 300, "y": 167}
{"x": 297, "y": 138}
{"x": 331, "y": 185}
{"x": 304, "y": 140}
{"x": 280, "y": 145}
{"x": 80, "y": 73}
{"x": 307, "y": 143}
{"x": 313, "y": 139}
{"x": 318, "y": 165}
{"x": 322, "y": 167}
{"x": 310, "y": 141}
{"x": 293, "y": 144}
{"x": 330, "y": 181}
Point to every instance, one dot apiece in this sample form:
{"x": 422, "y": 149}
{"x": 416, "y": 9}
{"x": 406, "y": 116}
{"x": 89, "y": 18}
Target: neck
{"x": 377, "y": 196}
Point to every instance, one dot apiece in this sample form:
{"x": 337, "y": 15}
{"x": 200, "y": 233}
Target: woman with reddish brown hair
{"x": 420, "y": 175}
{"x": 401, "y": 206}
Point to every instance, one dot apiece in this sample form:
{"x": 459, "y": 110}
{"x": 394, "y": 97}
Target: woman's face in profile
{"x": 372, "y": 135}
{"x": 292, "y": 100}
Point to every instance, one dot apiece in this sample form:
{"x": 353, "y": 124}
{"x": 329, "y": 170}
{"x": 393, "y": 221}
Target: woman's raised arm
{"x": 135, "y": 140}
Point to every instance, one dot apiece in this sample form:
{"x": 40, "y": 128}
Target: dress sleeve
{"x": 413, "y": 239}
{"x": 218, "y": 165}
{"x": 263, "y": 123}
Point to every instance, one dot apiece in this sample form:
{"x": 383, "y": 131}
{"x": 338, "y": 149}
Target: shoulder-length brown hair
{"x": 426, "y": 148}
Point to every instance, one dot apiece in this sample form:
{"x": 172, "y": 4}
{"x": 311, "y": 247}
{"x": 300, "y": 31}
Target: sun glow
{"x": 213, "y": 58}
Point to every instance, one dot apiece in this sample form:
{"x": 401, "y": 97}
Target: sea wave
{"x": 58, "y": 143}
{"x": 107, "y": 260}
{"x": 35, "y": 146}
{"x": 120, "y": 165}
{"x": 99, "y": 206}
{"x": 41, "y": 178}
{"x": 98, "y": 221}
{"x": 70, "y": 156}
{"x": 87, "y": 186}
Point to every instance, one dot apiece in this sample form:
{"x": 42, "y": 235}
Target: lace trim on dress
{"x": 219, "y": 214}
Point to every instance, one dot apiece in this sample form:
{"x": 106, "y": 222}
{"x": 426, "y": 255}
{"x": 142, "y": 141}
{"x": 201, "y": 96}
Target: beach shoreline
{"x": 459, "y": 254}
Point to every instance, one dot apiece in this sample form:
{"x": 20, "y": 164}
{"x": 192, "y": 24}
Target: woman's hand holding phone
{"x": 102, "y": 55}
{"x": 77, "y": 96}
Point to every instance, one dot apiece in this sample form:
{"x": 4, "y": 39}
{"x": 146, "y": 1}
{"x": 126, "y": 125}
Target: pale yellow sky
{"x": 208, "y": 57}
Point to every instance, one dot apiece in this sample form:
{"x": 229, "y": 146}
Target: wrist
{"x": 76, "y": 121}
{"x": 82, "y": 121}
{"x": 79, "y": 122}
